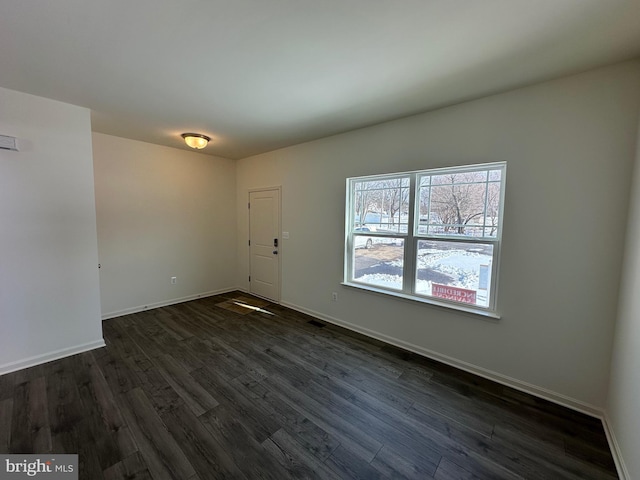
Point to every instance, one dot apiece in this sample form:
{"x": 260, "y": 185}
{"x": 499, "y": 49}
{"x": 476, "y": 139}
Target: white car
{"x": 360, "y": 241}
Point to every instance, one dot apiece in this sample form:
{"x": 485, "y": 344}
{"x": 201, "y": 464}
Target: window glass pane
{"x": 442, "y": 179}
{"x": 424, "y": 199}
{"x": 492, "y": 211}
{"x": 454, "y": 271}
{"x": 459, "y": 204}
{"x": 495, "y": 175}
{"x": 378, "y": 261}
{"x": 382, "y": 205}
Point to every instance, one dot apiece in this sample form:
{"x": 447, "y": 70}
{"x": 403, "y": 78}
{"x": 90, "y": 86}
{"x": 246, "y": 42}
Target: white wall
{"x": 162, "y": 212}
{"x": 49, "y": 293}
{"x": 624, "y": 392}
{"x": 569, "y": 145}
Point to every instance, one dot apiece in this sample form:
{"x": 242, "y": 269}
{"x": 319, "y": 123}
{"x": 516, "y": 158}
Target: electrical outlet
{"x": 174, "y": 280}
{"x": 334, "y": 296}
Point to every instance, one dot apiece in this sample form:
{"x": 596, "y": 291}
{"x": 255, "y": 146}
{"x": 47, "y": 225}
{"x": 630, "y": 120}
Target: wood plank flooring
{"x": 196, "y": 391}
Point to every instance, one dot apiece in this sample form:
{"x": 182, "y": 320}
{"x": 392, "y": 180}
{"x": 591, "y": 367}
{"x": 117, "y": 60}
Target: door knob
{"x": 275, "y": 252}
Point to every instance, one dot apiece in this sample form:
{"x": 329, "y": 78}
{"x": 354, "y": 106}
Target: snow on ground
{"x": 461, "y": 265}
{"x": 382, "y": 280}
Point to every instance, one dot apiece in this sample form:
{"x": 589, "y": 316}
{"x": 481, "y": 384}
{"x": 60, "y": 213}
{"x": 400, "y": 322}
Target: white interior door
{"x": 264, "y": 243}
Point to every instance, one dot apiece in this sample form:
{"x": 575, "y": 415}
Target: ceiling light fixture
{"x": 196, "y": 140}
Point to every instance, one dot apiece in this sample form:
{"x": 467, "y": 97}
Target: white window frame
{"x": 412, "y": 236}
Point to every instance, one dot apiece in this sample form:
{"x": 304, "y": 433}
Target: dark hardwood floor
{"x": 198, "y": 391}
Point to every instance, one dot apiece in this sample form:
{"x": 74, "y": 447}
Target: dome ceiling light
{"x": 196, "y": 140}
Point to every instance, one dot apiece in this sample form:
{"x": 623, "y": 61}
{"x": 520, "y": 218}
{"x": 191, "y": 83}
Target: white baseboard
{"x": 48, "y": 357}
{"x": 165, "y": 303}
{"x": 525, "y": 387}
{"x": 616, "y": 453}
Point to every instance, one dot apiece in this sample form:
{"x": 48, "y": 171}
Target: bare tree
{"x": 395, "y": 197}
{"x": 458, "y": 199}
{"x": 463, "y": 203}
{"x": 493, "y": 206}
{"x": 367, "y": 196}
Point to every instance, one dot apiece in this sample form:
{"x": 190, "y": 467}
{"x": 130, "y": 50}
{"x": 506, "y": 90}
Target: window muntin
{"x": 432, "y": 235}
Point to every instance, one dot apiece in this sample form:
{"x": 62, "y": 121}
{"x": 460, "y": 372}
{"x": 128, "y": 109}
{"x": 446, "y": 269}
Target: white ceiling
{"x": 257, "y": 75}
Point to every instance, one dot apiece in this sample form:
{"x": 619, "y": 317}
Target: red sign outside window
{"x": 453, "y": 293}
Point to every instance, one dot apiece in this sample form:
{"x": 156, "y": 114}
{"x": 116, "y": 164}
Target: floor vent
{"x": 315, "y": 323}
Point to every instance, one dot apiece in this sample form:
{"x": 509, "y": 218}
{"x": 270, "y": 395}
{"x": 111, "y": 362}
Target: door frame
{"x": 278, "y": 188}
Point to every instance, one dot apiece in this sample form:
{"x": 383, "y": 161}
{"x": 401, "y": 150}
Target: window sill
{"x": 451, "y": 306}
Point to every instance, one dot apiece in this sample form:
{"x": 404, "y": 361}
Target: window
{"x": 431, "y": 235}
